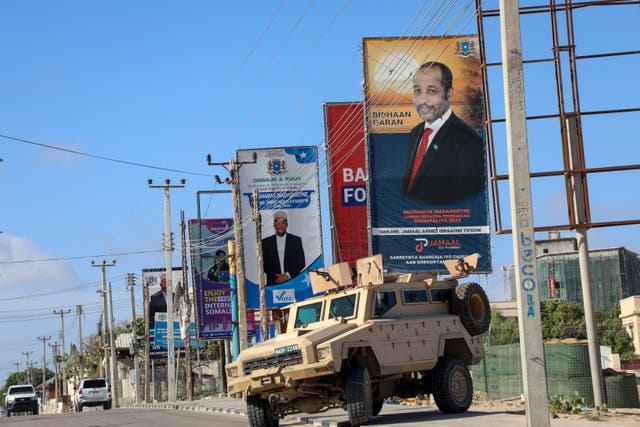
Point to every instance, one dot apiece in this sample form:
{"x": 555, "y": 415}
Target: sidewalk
{"x": 392, "y": 414}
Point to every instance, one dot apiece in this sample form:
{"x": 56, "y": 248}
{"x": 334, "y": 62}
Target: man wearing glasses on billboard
{"x": 446, "y": 157}
{"x": 282, "y": 253}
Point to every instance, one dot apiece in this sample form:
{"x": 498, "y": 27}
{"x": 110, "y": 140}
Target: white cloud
{"x": 15, "y": 275}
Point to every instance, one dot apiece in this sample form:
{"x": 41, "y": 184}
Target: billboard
{"x": 212, "y": 296}
{"x": 153, "y": 278}
{"x": 426, "y": 152}
{"x": 286, "y": 179}
{"x": 160, "y": 337}
{"x": 346, "y": 169}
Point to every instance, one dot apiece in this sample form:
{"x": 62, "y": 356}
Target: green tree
{"x": 563, "y": 319}
{"x": 612, "y": 333}
{"x": 503, "y": 330}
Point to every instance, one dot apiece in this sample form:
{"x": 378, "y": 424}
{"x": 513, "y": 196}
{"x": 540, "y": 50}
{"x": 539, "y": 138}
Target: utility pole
{"x": 233, "y": 167}
{"x": 102, "y": 370}
{"x": 524, "y": 250}
{"x": 168, "y": 248}
{"x": 62, "y": 312}
{"x": 17, "y": 366}
{"x": 114, "y": 355}
{"x": 131, "y": 283}
{"x": 186, "y": 316}
{"x": 103, "y": 292}
{"x": 580, "y": 211}
{"x": 257, "y": 217}
{"x": 147, "y": 346}
{"x": 56, "y": 382}
{"x": 80, "y": 347}
{"x": 28, "y": 365}
{"x": 44, "y": 363}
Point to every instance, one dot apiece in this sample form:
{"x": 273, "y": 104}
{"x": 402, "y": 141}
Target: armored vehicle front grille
{"x": 284, "y": 359}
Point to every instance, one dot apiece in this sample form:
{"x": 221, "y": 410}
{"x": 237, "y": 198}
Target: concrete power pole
{"x": 528, "y": 296}
{"x": 103, "y": 292}
{"x": 233, "y": 168}
{"x": 114, "y": 356}
{"x": 131, "y": 282}
{"x": 578, "y": 184}
{"x": 147, "y": 346}
{"x": 257, "y": 217}
{"x": 186, "y": 336}
{"x": 54, "y": 347}
{"x": 80, "y": 345}
{"x": 168, "y": 248}
{"x": 28, "y": 365}
{"x": 44, "y": 364}
{"x": 62, "y": 312}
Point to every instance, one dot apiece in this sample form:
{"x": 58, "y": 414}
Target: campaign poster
{"x": 426, "y": 152}
{"x": 286, "y": 179}
{"x": 346, "y": 170}
{"x": 160, "y": 338}
{"x": 155, "y": 280}
{"x": 210, "y": 270}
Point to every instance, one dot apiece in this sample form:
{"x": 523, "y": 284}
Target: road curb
{"x": 234, "y": 411}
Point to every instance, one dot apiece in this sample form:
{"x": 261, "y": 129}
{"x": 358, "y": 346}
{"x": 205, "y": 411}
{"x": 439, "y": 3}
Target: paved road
{"x": 407, "y": 416}
{"x": 228, "y": 412}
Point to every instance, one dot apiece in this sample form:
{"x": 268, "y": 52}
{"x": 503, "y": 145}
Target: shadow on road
{"x": 430, "y": 415}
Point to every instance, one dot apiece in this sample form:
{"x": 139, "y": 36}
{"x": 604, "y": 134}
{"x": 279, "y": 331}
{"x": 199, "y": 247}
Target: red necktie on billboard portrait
{"x": 422, "y": 148}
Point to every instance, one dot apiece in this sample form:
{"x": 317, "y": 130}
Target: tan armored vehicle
{"x": 356, "y": 346}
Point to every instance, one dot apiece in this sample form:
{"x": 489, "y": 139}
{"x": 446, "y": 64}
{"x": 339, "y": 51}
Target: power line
{"x": 20, "y": 261}
{"x": 109, "y": 159}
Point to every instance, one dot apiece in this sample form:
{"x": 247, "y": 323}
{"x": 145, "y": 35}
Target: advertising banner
{"x": 160, "y": 338}
{"x": 212, "y": 300}
{"x": 155, "y": 279}
{"x": 346, "y": 169}
{"x": 426, "y": 152}
{"x": 286, "y": 179}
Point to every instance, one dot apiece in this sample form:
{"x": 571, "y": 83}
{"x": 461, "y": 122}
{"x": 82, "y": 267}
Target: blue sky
{"x": 164, "y": 83}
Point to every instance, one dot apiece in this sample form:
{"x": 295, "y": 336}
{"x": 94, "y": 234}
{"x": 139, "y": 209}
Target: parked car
{"x": 92, "y": 392}
{"x": 21, "y": 398}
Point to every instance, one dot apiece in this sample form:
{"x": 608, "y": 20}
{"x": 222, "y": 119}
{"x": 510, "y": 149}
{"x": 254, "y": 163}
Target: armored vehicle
{"x": 357, "y": 345}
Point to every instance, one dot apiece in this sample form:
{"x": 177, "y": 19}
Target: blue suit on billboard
{"x": 453, "y": 167}
{"x": 294, "y": 261}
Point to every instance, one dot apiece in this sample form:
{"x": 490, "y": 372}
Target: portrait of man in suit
{"x": 158, "y": 302}
{"x": 446, "y": 160}
{"x": 282, "y": 253}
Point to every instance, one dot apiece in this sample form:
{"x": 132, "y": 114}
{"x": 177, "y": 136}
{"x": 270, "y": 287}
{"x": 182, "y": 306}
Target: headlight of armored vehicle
{"x": 232, "y": 371}
{"x": 323, "y": 352}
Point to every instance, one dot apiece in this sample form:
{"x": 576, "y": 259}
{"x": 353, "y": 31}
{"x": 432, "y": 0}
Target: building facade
{"x": 615, "y": 272}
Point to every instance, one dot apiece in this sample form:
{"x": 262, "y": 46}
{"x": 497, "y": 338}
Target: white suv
{"x": 21, "y": 398}
{"x": 92, "y": 392}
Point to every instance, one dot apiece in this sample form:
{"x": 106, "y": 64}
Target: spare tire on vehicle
{"x": 470, "y": 302}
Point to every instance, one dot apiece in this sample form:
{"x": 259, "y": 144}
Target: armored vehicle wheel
{"x": 452, "y": 386}
{"x": 79, "y": 407}
{"x": 106, "y": 406}
{"x": 377, "y": 406}
{"x": 470, "y": 302}
{"x": 359, "y": 396}
{"x": 259, "y": 413}
{"x": 35, "y": 411}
